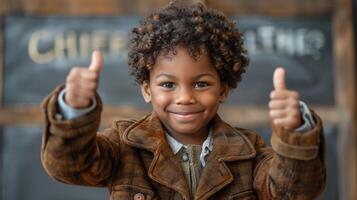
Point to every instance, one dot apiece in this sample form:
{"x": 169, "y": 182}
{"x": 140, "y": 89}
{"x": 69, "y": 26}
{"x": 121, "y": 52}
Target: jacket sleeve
{"x": 295, "y": 166}
{"x": 72, "y": 151}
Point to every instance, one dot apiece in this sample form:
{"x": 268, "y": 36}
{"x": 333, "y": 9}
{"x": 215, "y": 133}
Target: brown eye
{"x": 200, "y": 84}
{"x": 168, "y": 85}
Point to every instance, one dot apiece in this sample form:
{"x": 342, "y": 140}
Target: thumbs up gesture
{"x": 82, "y": 83}
{"x": 284, "y": 107}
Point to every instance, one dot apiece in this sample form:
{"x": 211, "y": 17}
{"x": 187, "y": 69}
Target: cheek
{"x": 161, "y": 99}
{"x": 209, "y": 99}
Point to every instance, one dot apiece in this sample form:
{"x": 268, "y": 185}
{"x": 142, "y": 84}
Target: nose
{"x": 185, "y": 96}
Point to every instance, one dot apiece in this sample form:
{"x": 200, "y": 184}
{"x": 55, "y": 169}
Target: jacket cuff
{"x": 295, "y": 145}
{"x": 68, "y": 112}
{"x": 69, "y": 128}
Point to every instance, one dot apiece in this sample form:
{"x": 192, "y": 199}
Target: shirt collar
{"x": 176, "y": 145}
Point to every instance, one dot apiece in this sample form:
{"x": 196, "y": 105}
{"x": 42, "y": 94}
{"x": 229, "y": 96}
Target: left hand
{"x": 284, "y": 106}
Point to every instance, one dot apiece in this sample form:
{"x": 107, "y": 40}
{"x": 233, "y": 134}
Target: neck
{"x": 191, "y": 138}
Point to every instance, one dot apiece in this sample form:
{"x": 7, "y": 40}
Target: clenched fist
{"x": 284, "y": 109}
{"x": 82, "y": 83}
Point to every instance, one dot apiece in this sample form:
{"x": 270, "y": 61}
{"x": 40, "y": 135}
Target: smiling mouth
{"x": 185, "y": 116}
{"x": 185, "y": 113}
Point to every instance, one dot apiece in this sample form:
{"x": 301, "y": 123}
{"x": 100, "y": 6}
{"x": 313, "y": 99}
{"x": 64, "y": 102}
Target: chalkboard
{"x": 39, "y": 52}
{"x": 302, "y": 46}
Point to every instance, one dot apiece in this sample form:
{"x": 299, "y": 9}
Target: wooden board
{"x": 253, "y": 116}
{"x": 343, "y": 113}
{"x": 110, "y": 7}
{"x": 346, "y": 87}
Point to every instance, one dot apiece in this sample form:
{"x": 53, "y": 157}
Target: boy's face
{"x": 185, "y": 94}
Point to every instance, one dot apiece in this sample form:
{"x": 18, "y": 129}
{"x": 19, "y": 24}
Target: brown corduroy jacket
{"x": 134, "y": 160}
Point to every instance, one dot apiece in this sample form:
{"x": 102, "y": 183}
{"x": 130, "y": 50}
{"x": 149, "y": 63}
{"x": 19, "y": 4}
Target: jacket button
{"x": 184, "y": 157}
{"x": 139, "y": 196}
{"x": 58, "y": 116}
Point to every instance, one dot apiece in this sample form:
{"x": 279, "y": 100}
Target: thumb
{"x": 97, "y": 62}
{"x": 279, "y": 79}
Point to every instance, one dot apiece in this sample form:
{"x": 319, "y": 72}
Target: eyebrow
{"x": 172, "y": 76}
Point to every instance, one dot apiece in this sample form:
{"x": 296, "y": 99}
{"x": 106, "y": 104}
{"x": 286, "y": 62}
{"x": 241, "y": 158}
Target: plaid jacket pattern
{"x": 134, "y": 160}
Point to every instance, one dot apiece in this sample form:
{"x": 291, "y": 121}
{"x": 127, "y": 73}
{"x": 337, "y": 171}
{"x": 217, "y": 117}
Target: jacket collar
{"x": 148, "y": 133}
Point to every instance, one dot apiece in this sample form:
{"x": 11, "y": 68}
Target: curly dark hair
{"x": 196, "y": 27}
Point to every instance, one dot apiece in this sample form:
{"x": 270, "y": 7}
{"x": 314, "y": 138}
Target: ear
{"x": 223, "y": 94}
{"x": 145, "y": 91}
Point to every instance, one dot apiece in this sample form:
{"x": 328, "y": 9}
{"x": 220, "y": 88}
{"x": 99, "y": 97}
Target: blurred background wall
{"x": 41, "y": 40}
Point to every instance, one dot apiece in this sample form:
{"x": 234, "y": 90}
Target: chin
{"x": 187, "y": 130}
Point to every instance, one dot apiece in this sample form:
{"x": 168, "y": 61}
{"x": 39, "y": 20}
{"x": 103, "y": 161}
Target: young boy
{"x": 186, "y": 59}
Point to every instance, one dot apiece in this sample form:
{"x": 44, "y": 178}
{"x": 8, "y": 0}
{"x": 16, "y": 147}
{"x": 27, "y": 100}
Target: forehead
{"x": 180, "y": 62}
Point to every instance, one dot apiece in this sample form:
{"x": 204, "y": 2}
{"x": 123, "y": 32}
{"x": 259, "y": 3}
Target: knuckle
{"x": 297, "y": 114}
{"x": 291, "y": 102}
{"x": 290, "y": 110}
{"x": 290, "y": 119}
{"x": 272, "y": 94}
{"x": 70, "y": 77}
{"x": 283, "y": 113}
{"x": 271, "y": 113}
{"x": 68, "y": 91}
{"x": 291, "y": 113}
{"x": 295, "y": 94}
{"x": 277, "y": 122}
{"x": 76, "y": 70}
{"x": 295, "y": 104}
{"x": 74, "y": 74}
{"x": 294, "y": 111}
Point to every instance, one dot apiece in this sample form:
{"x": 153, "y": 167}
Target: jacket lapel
{"x": 165, "y": 168}
{"x": 228, "y": 145}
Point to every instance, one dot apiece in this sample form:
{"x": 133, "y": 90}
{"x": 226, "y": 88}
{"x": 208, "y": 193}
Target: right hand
{"x": 284, "y": 108}
{"x": 82, "y": 83}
